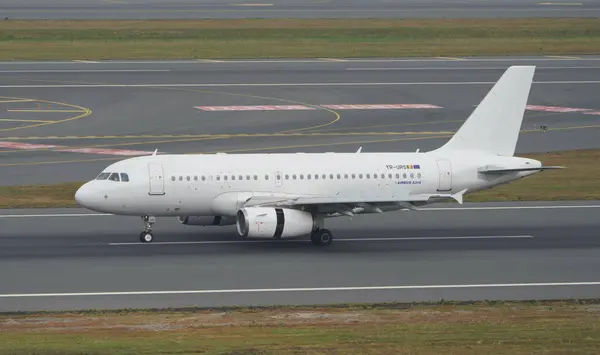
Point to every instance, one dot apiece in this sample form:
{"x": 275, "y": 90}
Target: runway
{"x": 468, "y": 252}
{"x": 65, "y": 121}
{"x": 218, "y": 9}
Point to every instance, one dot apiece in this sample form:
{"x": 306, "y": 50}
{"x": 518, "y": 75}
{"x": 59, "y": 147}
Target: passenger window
{"x": 103, "y": 176}
{"x": 266, "y": 177}
{"x": 114, "y": 177}
{"x": 173, "y": 178}
{"x": 124, "y": 177}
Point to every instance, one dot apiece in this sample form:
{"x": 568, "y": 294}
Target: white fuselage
{"x": 217, "y": 184}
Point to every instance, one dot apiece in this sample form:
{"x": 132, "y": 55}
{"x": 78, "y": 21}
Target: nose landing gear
{"x": 146, "y": 236}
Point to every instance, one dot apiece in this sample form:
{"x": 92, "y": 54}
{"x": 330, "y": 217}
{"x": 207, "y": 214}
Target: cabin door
{"x": 157, "y": 181}
{"x": 445, "y": 175}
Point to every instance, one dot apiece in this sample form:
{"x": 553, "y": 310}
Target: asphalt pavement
{"x": 65, "y": 121}
{"x": 244, "y": 9}
{"x": 70, "y": 259}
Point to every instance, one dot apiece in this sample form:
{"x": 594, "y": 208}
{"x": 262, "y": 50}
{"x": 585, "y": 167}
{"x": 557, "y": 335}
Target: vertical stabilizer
{"x": 495, "y": 124}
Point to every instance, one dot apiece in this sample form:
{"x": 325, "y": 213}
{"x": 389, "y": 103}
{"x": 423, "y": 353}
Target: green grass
{"x": 516, "y": 328}
{"x": 285, "y": 38}
{"x": 580, "y": 181}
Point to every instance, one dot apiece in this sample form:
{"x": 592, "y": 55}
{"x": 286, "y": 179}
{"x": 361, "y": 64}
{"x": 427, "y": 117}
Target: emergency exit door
{"x": 157, "y": 181}
{"x": 445, "y": 175}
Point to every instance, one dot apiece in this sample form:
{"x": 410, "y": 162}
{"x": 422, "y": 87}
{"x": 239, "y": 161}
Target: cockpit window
{"x": 113, "y": 176}
{"x": 103, "y": 176}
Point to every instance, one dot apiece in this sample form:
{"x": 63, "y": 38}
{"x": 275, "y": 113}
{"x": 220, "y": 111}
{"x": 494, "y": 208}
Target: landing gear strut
{"x": 146, "y": 236}
{"x": 321, "y": 237}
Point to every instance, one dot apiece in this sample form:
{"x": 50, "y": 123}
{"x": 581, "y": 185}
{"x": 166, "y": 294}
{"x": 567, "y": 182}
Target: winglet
{"x": 459, "y": 196}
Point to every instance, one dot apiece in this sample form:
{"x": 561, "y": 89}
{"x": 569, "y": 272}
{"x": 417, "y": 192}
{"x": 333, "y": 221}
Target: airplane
{"x": 290, "y": 195}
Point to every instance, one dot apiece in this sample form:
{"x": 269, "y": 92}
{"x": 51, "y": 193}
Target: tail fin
{"x": 495, "y": 124}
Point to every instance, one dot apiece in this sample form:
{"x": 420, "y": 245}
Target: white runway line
{"x": 86, "y": 71}
{"x": 283, "y": 84}
{"x": 347, "y": 60}
{"x": 336, "y": 240}
{"x": 300, "y": 289}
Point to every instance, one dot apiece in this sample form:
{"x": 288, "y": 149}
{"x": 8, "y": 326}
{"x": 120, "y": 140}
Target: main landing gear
{"x": 146, "y": 236}
{"x": 321, "y": 237}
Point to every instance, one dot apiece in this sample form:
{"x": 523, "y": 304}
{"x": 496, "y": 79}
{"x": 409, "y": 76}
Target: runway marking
{"x": 58, "y": 148}
{"x": 42, "y": 110}
{"x": 301, "y": 289}
{"x": 460, "y": 68}
{"x": 336, "y": 240}
{"x": 302, "y": 107}
{"x": 87, "y": 71}
{"x": 16, "y": 100}
{"x": 84, "y": 113}
{"x": 592, "y": 113}
{"x": 174, "y": 85}
{"x": 334, "y": 59}
{"x": 451, "y": 58}
{"x": 17, "y": 120}
{"x": 564, "y": 57}
{"x": 561, "y": 3}
{"x": 555, "y": 109}
{"x": 354, "y": 60}
{"x": 86, "y": 61}
{"x": 483, "y": 208}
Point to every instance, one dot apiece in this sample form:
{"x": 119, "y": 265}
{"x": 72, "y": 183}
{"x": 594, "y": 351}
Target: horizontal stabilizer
{"x": 488, "y": 170}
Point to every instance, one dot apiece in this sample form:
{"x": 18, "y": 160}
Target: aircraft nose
{"x": 84, "y": 195}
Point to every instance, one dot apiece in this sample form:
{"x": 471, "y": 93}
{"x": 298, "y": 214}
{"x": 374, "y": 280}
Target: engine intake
{"x": 206, "y": 220}
{"x": 275, "y": 223}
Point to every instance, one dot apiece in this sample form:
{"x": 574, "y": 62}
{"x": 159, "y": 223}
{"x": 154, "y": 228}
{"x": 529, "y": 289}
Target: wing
{"x": 336, "y": 205}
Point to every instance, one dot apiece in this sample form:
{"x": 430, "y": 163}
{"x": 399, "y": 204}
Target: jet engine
{"x": 275, "y": 223}
{"x": 206, "y": 220}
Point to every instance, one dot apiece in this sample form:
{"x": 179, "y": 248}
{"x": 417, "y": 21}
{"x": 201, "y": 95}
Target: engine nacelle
{"x": 206, "y": 220}
{"x": 273, "y": 223}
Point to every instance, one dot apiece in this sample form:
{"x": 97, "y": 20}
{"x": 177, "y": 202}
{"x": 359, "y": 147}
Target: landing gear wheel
{"x": 146, "y": 237}
{"x": 321, "y": 237}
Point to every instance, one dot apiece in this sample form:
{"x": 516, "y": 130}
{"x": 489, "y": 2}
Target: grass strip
{"x": 293, "y": 38}
{"x": 552, "y": 327}
{"x": 580, "y": 181}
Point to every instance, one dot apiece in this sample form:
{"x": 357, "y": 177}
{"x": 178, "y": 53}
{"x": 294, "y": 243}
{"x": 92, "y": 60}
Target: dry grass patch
{"x": 506, "y": 328}
{"x": 278, "y": 38}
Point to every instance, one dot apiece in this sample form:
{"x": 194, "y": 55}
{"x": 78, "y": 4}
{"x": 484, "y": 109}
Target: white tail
{"x": 495, "y": 124}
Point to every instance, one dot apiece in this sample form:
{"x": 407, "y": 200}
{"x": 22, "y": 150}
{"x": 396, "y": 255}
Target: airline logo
{"x": 404, "y": 166}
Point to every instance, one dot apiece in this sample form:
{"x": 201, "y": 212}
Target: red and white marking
{"x": 58, "y": 148}
{"x": 255, "y": 108}
{"x": 555, "y": 108}
{"x": 25, "y": 146}
{"x": 104, "y": 151}
{"x": 379, "y": 106}
{"x": 303, "y": 107}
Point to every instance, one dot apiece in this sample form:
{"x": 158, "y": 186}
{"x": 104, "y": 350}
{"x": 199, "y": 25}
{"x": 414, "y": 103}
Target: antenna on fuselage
{"x": 359, "y": 150}
{"x": 155, "y": 151}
